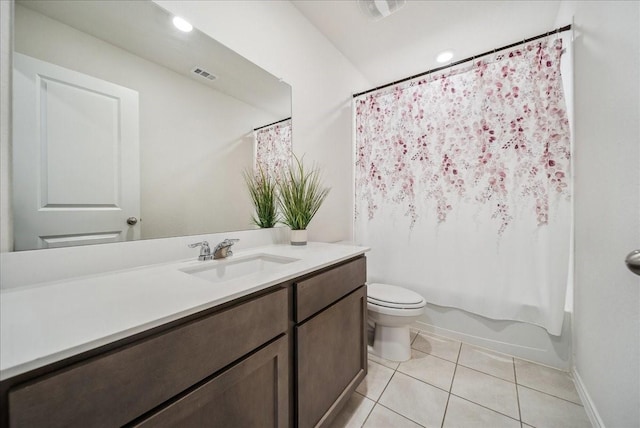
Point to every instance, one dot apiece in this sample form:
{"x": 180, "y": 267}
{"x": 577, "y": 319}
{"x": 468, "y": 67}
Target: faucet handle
{"x": 205, "y": 250}
{"x": 203, "y": 244}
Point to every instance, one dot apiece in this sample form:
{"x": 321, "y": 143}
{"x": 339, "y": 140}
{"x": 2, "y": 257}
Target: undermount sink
{"x": 225, "y": 270}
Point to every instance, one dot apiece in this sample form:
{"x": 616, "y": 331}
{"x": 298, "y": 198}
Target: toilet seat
{"x": 391, "y": 296}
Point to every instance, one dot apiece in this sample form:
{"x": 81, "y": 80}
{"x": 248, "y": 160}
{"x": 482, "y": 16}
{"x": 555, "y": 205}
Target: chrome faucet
{"x": 205, "y": 250}
{"x": 223, "y": 249}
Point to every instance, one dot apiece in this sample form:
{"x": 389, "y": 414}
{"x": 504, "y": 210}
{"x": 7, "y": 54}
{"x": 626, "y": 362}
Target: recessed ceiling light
{"x": 444, "y": 56}
{"x": 182, "y": 24}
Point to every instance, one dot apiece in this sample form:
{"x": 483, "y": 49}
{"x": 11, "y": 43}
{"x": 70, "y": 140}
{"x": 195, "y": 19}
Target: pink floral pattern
{"x": 495, "y": 134}
{"x": 273, "y": 148}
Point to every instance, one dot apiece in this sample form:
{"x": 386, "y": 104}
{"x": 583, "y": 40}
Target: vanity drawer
{"x": 119, "y": 386}
{"x": 317, "y": 292}
{"x": 251, "y": 393}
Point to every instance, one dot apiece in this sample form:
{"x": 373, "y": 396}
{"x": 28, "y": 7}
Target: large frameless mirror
{"x": 125, "y": 127}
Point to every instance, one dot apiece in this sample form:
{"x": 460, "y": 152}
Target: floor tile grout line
{"x": 488, "y": 350}
{"x": 485, "y": 407}
{"x": 425, "y": 382}
{"x": 436, "y": 356}
{"x": 377, "y": 401}
{"x": 455, "y": 368}
{"x": 386, "y": 385}
{"x": 399, "y": 414}
{"x": 488, "y": 374}
{"x": 515, "y": 379}
{"x": 550, "y": 395}
{"x": 370, "y": 411}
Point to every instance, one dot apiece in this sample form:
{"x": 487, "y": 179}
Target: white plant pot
{"x": 299, "y": 237}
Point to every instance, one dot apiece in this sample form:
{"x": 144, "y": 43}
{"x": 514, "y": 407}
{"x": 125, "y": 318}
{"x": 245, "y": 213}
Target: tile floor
{"x": 452, "y": 384}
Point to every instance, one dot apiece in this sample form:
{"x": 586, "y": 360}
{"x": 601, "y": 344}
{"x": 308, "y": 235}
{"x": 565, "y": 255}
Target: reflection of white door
{"x": 76, "y": 176}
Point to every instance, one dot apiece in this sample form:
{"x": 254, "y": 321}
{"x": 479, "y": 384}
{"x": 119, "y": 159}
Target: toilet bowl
{"x": 392, "y": 309}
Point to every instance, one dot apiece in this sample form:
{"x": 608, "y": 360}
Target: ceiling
{"x": 407, "y": 42}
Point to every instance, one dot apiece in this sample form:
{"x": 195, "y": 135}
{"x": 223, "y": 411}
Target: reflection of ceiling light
{"x": 182, "y": 24}
{"x": 379, "y": 9}
{"x": 444, "y": 56}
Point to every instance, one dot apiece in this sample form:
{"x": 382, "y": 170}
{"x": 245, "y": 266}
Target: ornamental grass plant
{"x": 262, "y": 189}
{"x": 300, "y": 194}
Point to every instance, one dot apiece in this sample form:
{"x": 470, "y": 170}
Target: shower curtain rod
{"x": 271, "y": 124}
{"x": 462, "y": 61}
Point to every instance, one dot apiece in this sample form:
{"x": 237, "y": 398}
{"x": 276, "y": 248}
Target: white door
{"x": 76, "y": 177}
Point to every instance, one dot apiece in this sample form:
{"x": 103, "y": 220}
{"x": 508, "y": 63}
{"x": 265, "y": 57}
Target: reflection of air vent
{"x": 204, "y": 73}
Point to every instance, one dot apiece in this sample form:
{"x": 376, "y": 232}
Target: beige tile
{"x": 387, "y": 363}
{"x": 430, "y": 369}
{"x": 416, "y": 400}
{"x": 545, "y": 379}
{"x": 413, "y": 334}
{"x": 486, "y": 390}
{"x": 376, "y": 380}
{"x": 542, "y": 410}
{"x": 465, "y": 414}
{"x": 437, "y": 345}
{"x": 354, "y": 413}
{"x": 487, "y": 361}
{"x": 381, "y": 417}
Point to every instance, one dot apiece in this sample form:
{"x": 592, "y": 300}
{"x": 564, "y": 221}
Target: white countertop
{"x": 47, "y": 322}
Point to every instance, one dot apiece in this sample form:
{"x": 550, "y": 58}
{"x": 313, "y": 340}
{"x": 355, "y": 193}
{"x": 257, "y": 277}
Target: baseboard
{"x": 522, "y": 340}
{"x": 589, "y": 406}
{"x": 522, "y": 352}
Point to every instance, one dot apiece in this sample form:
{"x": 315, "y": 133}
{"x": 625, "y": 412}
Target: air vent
{"x": 378, "y": 9}
{"x": 204, "y": 73}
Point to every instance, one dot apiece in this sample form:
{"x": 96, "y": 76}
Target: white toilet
{"x": 392, "y": 309}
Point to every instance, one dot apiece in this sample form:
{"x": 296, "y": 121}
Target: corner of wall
{"x": 589, "y": 406}
{"x": 6, "y": 47}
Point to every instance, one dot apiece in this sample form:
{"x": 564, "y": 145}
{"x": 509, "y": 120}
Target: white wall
{"x": 191, "y": 136}
{"x": 274, "y": 35}
{"x": 607, "y": 207}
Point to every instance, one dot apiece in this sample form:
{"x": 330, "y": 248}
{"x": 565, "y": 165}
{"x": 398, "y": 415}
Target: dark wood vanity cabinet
{"x": 330, "y": 337}
{"x": 289, "y": 355}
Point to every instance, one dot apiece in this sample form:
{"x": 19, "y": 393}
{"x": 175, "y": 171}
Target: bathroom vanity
{"x": 288, "y": 350}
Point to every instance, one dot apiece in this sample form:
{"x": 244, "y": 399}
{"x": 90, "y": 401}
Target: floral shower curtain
{"x": 273, "y": 148}
{"x": 463, "y": 186}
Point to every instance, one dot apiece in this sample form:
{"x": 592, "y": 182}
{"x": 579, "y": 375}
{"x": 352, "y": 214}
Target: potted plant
{"x": 300, "y": 195}
{"x": 262, "y": 189}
